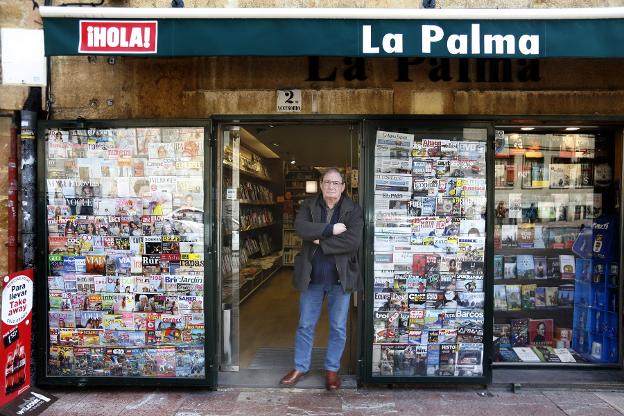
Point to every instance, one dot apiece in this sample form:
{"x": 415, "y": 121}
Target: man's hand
{"x": 317, "y": 242}
{"x": 339, "y": 228}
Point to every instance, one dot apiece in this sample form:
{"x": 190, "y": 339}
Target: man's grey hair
{"x": 333, "y": 170}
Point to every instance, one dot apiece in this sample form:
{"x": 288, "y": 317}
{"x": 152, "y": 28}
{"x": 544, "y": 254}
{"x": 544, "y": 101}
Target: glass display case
{"x": 428, "y": 290}
{"x": 124, "y": 267}
{"x": 556, "y": 262}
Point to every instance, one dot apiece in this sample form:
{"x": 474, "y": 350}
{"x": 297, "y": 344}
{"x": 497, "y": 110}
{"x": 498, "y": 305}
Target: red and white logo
{"x": 118, "y": 36}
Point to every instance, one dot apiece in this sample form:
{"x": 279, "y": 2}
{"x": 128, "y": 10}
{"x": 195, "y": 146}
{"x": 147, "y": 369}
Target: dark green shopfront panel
{"x": 590, "y": 38}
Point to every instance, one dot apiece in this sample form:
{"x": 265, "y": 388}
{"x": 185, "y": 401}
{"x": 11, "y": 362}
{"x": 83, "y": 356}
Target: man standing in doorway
{"x": 330, "y": 225}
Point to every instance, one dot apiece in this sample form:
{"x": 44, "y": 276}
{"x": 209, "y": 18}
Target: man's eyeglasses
{"x": 334, "y": 183}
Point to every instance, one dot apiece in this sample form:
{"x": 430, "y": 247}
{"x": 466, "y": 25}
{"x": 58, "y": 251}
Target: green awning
{"x": 335, "y": 32}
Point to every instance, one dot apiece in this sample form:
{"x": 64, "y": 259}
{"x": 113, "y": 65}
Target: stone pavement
{"x": 366, "y": 401}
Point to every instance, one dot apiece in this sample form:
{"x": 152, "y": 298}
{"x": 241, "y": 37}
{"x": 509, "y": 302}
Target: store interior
{"x": 279, "y": 165}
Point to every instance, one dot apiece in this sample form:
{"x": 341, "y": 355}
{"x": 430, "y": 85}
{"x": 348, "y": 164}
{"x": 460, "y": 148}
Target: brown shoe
{"x": 332, "y": 380}
{"x": 292, "y": 378}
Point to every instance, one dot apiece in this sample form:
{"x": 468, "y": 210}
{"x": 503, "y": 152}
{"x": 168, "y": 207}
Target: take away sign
{"x": 118, "y": 36}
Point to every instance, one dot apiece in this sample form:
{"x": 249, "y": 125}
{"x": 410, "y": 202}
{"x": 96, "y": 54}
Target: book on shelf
{"x": 509, "y": 267}
{"x": 499, "y": 267}
{"x": 552, "y": 296}
{"x": 520, "y": 332}
{"x": 528, "y": 296}
{"x": 553, "y": 270}
{"x": 540, "y": 297}
{"x": 509, "y": 235}
{"x": 526, "y": 235}
{"x": 526, "y": 354}
{"x": 500, "y": 298}
{"x": 514, "y": 299}
{"x": 565, "y": 295}
{"x": 540, "y": 267}
{"x": 567, "y": 266}
{"x": 525, "y": 266}
{"x": 541, "y": 331}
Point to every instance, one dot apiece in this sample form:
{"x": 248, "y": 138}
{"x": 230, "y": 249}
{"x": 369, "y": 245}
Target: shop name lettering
{"x": 456, "y": 43}
{"x": 464, "y": 70}
{"x": 17, "y": 305}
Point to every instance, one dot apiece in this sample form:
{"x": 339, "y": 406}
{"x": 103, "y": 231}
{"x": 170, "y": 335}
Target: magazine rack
{"x": 125, "y": 287}
{"x": 428, "y": 306}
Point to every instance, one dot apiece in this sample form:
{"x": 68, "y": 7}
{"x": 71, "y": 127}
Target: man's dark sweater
{"x": 324, "y": 266}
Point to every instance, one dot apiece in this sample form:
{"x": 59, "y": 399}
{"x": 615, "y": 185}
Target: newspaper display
{"x": 125, "y": 266}
{"x": 429, "y": 246}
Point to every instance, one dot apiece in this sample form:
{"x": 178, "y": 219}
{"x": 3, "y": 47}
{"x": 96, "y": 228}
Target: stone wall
{"x": 201, "y": 87}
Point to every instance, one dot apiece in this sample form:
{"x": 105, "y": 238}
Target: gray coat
{"x": 345, "y": 247}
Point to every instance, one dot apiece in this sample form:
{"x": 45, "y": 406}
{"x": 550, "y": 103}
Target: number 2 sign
{"x": 288, "y": 101}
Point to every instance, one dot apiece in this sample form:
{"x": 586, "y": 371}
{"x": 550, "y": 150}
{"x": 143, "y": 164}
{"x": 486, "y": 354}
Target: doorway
{"x": 267, "y": 170}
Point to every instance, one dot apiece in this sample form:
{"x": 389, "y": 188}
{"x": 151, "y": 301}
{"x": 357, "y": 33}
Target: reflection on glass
{"x": 126, "y": 252}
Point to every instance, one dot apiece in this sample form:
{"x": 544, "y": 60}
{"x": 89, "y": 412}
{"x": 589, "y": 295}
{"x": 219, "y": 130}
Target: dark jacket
{"x": 309, "y": 226}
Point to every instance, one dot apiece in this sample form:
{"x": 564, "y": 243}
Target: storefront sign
{"x": 288, "y": 101}
{"x": 462, "y": 70}
{"x": 17, "y": 301}
{"x": 118, "y": 36}
{"x": 460, "y": 38}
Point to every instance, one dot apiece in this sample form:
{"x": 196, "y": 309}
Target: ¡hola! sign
{"x": 122, "y": 36}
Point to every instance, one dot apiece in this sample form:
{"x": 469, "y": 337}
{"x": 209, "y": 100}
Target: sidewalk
{"x": 369, "y": 401}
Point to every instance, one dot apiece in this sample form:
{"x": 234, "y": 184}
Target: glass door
{"x": 428, "y": 313}
{"x": 250, "y": 232}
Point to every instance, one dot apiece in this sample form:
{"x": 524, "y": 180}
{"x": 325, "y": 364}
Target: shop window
{"x": 556, "y": 262}
{"x": 428, "y": 307}
{"x": 125, "y": 233}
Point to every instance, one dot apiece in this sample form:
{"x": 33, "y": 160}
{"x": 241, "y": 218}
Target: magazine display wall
{"x": 429, "y": 250}
{"x": 555, "y": 266}
{"x": 125, "y": 233}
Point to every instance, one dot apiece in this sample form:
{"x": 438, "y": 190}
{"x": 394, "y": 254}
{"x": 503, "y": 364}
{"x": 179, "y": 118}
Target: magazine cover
{"x": 433, "y": 359}
{"x": 469, "y": 360}
{"x": 448, "y": 359}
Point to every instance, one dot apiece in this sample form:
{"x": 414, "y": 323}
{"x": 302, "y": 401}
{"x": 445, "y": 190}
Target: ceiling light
{"x": 292, "y": 162}
{"x": 275, "y": 144}
{"x": 527, "y": 128}
{"x": 572, "y": 128}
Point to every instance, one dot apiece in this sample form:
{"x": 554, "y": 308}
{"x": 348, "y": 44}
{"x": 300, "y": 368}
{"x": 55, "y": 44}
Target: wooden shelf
{"x": 536, "y": 312}
{"x": 510, "y": 251}
{"x": 250, "y": 202}
{"x": 257, "y": 228}
{"x": 547, "y": 282}
{"x": 247, "y": 173}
